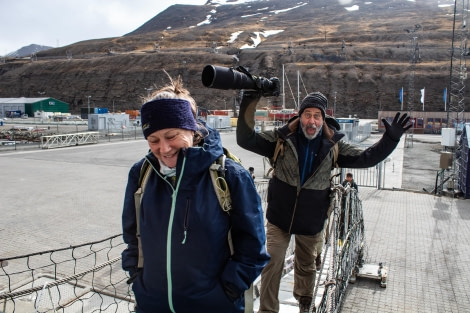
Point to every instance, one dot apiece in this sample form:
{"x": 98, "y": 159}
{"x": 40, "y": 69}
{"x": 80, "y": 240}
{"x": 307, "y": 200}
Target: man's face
{"x": 311, "y": 121}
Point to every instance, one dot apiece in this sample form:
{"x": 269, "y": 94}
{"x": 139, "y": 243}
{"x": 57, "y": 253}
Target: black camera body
{"x": 220, "y": 77}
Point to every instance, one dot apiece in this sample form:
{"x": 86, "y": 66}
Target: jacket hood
{"x": 209, "y": 150}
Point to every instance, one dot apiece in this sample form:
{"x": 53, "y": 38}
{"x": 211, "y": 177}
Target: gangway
{"x": 67, "y": 140}
{"x": 342, "y": 257}
{"x": 78, "y": 279}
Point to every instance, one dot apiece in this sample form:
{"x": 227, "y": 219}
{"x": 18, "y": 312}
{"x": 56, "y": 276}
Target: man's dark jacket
{"x": 295, "y": 208}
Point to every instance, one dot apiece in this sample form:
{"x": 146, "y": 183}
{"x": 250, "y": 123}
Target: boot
{"x": 304, "y": 304}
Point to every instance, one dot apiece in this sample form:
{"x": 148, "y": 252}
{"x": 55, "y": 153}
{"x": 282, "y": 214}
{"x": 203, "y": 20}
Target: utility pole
{"x": 334, "y": 106}
{"x": 88, "y": 113}
{"x": 41, "y": 93}
{"x": 415, "y": 58}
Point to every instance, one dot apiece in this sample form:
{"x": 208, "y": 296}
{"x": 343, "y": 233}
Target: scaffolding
{"x": 458, "y": 75}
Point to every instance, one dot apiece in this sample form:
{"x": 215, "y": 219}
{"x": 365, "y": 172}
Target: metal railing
{"x": 67, "y": 140}
{"x": 89, "y": 278}
{"x": 344, "y": 247}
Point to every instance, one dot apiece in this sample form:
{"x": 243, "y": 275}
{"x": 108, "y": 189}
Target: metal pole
{"x": 88, "y": 112}
{"x": 379, "y": 179}
{"x": 283, "y": 89}
{"x": 334, "y": 106}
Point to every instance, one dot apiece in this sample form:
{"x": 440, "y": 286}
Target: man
{"x": 349, "y": 180}
{"x": 298, "y": 192}
{"x": 252, "y": 172}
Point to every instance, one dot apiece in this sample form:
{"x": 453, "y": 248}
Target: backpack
{"x": 221, "y": 188}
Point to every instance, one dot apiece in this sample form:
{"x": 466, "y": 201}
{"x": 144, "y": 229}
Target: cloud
{"x": 59, "y": 23}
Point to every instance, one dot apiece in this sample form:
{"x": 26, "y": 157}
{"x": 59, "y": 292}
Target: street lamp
{"x": 88, "y": 113}
{"x": 41, "y": 93}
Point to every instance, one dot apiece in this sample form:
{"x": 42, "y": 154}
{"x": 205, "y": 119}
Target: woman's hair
{"x": 176, "y": 90}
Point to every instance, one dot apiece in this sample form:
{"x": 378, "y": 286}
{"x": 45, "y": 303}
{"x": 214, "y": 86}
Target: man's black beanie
{"x": 314, "y": 100}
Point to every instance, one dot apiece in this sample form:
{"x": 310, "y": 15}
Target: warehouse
{"x": 27, "y": 107}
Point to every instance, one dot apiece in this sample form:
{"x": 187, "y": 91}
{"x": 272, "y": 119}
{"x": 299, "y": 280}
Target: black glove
{"x": 265, "y": 86}
{"x": 268, "y": 87}
{"x": 398, "y": 126}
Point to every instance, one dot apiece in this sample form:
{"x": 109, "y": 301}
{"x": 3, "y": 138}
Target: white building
{"x": 108, "y": 122}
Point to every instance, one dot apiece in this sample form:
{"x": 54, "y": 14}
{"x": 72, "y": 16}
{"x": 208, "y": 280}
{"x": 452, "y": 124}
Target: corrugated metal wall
{"x": 46, "y": 105}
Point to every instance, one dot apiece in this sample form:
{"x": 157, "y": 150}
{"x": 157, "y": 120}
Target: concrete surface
{"x": 55, "y": 198}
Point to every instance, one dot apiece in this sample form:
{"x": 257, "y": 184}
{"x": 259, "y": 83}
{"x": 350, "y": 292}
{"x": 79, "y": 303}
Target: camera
{"x": 220, "y": 77}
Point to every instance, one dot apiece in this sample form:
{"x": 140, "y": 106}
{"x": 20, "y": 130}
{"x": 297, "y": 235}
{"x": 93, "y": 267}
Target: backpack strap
{"x": 145, "y": 172}
{"x": 335, "y": 155}
{"x": 278, "y": 150}
{"x": 217, "y": 172}
{"x": 232, "y": 156}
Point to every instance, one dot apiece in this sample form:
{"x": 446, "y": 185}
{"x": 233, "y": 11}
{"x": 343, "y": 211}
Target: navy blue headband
{"x": 166, "y": 113}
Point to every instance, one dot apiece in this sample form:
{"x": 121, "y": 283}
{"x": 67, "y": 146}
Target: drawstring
{"x": 168, "y": 242}
{"x": 184, "y": 239}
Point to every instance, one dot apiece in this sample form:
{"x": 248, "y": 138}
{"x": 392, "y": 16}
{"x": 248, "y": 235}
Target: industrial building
{"x": 27, "y": 107}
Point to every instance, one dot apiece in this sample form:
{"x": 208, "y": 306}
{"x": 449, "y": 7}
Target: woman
{"x": 188, "y": 266}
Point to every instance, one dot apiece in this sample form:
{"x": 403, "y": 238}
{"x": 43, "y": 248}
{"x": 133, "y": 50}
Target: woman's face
{"x": 165, "y": 144}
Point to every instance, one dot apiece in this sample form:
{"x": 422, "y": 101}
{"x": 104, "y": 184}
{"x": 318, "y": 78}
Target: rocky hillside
{"x": 358, "y": 54}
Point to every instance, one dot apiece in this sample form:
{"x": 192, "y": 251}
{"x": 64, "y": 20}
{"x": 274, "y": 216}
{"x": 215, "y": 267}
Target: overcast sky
{"x": 59, "y": 23}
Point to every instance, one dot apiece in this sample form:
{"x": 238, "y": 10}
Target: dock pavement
{"x": 55, "y": 198}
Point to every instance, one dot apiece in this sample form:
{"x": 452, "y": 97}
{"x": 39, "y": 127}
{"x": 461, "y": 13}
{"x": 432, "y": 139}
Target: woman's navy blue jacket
{"x": 187, "y": 261}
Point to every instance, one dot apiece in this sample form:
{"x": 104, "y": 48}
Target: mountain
{"x": 27, "y": 51}
{"x": 358, "y": 54}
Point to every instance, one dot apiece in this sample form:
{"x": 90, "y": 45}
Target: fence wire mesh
{"x": 82, "y": 278}
{"x": 89, "y": 277}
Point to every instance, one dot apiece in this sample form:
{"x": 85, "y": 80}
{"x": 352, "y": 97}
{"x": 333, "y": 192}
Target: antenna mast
{"x": 458, "y": 75}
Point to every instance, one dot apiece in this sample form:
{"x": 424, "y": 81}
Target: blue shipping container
{"x": 100, "y": 110}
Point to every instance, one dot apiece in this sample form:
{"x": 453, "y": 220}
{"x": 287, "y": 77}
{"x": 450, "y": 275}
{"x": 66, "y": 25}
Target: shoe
{"x": 304, "y": 304}
{"x": 318, "y": 262}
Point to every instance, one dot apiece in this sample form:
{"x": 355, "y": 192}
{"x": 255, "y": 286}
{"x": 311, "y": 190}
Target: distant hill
{"x": 359, "y": 55}
{"x": 27, "y": 51}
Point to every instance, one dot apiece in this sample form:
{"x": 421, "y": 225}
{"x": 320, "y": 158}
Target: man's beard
{"x": 314, "y": 135}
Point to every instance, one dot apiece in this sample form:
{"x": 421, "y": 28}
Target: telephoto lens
{"x": 220, "y": 77}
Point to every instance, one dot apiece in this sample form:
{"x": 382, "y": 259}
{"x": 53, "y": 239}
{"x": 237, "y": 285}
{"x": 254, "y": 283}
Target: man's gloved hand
{"x": 268, "y": 87}
{"x": 398, "y": 126}
{"x": 265, "y": 86}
